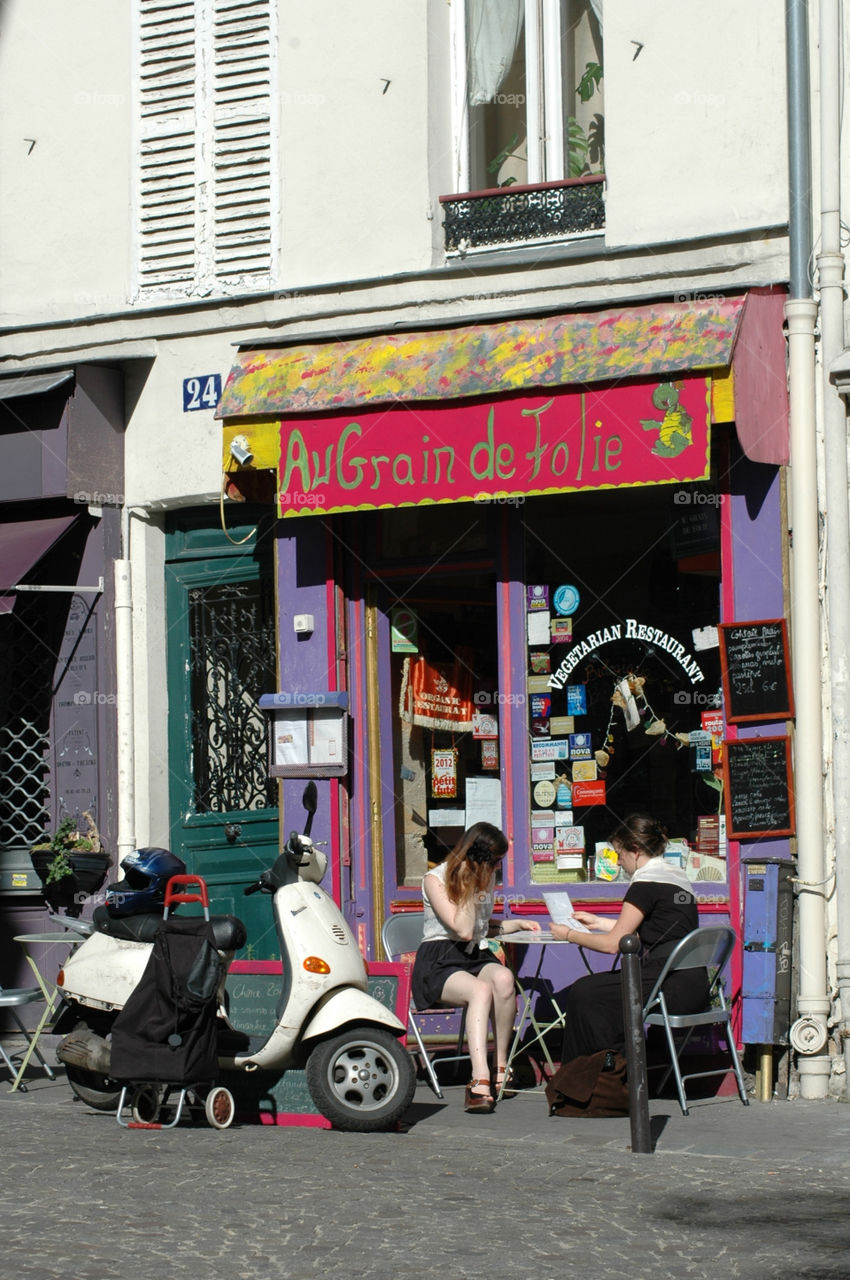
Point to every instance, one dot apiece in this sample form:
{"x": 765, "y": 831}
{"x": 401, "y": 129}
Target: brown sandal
{"x": 478, "y": 1101}
{"x": 503, "y": 1083}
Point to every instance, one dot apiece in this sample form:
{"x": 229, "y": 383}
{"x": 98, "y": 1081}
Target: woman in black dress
{"x": 659, "y": 906}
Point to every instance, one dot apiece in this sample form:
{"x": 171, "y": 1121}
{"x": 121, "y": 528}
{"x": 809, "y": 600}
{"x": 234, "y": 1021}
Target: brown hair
{"x": 470, "y": 865}
{"x": 641, "y": 833}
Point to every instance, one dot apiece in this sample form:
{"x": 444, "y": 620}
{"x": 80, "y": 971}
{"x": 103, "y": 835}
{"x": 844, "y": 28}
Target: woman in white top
{"x": 454, "y": 965}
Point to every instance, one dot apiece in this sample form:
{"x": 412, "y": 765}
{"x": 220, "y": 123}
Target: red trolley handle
{"x": 172, "y": 896}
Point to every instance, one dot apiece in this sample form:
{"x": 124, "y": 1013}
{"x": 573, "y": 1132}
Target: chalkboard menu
{"x": 253, "y": 992}
{"x": 756, "y": 671}
{"x": 759, "y": 788}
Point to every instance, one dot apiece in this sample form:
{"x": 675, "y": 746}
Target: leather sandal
{"x": 504, "y": 1082}
{"x": 478, "y": 1101}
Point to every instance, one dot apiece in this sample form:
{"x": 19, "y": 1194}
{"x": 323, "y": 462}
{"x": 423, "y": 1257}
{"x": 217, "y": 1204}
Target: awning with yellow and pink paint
{"x": 517, "y": 355}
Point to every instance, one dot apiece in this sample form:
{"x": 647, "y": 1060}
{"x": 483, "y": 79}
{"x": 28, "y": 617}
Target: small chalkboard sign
{"x": 759, "y": 788}
{"x": 756, "y": 670}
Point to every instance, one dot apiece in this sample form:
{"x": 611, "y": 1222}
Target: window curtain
{"x": 492, "y": 31}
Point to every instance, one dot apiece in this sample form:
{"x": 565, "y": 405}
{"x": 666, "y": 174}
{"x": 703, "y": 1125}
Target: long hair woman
{"x": 455, "y": 966}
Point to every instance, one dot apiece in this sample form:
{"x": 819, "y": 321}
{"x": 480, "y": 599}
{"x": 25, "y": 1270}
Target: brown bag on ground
{"x": 591, "y": 1086}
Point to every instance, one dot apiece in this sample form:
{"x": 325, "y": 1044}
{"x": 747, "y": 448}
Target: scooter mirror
{"x": 310, "y": 797}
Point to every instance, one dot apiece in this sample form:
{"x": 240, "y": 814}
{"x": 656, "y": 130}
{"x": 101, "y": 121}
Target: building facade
{"x": 449, "y": 346}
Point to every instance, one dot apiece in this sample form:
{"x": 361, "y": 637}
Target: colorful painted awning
{"x": 692, "y": 336}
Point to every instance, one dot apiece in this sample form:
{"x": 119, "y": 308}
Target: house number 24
{"x": 203, "y": 392}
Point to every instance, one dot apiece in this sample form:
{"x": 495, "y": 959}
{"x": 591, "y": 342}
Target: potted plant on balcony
{"x": 71, "y": 865}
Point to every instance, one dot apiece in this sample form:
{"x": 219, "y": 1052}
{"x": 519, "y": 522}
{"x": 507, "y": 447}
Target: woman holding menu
{"x": 659, "y": 906}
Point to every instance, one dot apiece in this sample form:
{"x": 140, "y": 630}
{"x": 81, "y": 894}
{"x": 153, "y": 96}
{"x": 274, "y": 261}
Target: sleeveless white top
{"x": 434, "y": 930}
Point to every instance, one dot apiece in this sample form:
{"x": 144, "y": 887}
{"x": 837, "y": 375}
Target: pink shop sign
{"x": 496, "y": 451}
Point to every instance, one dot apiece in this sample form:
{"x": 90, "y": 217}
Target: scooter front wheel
{"x": 362, "y": 1079}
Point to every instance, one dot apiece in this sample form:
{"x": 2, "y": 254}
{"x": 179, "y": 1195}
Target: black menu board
{"x": 759, "y": 788}
{"x": 756, "y": 671}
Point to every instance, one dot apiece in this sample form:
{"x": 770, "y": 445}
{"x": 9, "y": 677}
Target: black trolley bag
{"x": 166, "y": 1034}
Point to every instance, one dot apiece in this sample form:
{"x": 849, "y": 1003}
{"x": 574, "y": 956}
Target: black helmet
{"x": 146, "y": 873}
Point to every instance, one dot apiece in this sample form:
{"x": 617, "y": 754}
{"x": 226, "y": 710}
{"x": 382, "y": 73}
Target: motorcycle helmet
{"x": 146, "y": 873}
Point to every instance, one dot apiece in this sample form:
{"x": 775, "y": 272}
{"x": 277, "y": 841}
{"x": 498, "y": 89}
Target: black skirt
{"x": 594, "y": 1006}
{"x": 436, "y": 961}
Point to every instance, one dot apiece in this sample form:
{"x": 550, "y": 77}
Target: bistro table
{"x": 526, "y": 988}
{"x": 70, "y": 937}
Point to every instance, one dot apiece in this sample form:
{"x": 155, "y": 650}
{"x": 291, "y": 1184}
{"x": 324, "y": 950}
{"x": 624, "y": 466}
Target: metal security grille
{"x": 27, "y": 662}
{"x": 232, "y": 661}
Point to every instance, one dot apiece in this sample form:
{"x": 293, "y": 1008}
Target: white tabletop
{"x": 526, "y": 936}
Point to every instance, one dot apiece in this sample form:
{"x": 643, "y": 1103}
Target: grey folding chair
{"x": 707, "y": 948}
{"x": 401, "y": 934}
{"x": 14, "y": 998}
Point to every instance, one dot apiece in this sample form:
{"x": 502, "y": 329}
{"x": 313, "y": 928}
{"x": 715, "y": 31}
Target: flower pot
{"x": 68, "y": 894}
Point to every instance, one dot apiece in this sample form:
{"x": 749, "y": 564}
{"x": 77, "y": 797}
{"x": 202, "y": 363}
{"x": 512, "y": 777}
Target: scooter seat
{"x": 228, "y": 931}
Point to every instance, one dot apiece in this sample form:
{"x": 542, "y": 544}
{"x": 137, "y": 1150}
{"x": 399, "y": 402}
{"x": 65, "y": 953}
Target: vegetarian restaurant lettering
{"x": 495, "y": 450}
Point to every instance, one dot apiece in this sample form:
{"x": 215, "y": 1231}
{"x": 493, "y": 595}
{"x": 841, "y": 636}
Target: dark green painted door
{"x": 221, "y": 657}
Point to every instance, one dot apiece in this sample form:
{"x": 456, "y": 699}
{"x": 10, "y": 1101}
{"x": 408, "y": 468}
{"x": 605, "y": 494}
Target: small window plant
{"x": 71, "y": 866}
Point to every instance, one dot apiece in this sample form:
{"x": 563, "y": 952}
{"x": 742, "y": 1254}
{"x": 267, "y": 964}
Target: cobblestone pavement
{"x": 759, "y": 1193}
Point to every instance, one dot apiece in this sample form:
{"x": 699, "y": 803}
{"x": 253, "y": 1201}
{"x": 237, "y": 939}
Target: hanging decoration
{"x": 630, "y": 696}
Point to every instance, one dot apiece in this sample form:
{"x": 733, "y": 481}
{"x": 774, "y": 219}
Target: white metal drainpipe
{"x": 124, "y": 693}
{"x": 830, "y": 264}
{"x": 809, "y": 1033}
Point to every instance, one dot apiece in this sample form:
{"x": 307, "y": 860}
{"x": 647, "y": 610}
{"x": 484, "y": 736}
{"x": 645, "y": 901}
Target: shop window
{"x": 445, "y": 716}
{"x": 205, "y": 161}
{"x": 622, "y": 603}
{"x": 528, "y": 111}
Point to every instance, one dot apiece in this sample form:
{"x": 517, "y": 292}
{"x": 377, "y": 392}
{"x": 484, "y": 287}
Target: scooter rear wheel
{"x": 362, "y": 1079}
{"x": 97, "y": 1091}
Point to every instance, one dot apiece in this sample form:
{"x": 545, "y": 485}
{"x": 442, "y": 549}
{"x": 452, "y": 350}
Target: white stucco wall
{"x": 172, "y": 457}
{"x": 695, "y": 118}
{"x": 65, "y": 102}
{"x": 353, "y": 129}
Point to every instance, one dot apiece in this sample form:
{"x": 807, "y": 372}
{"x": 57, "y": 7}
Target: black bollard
{"x": 630, "y": 948}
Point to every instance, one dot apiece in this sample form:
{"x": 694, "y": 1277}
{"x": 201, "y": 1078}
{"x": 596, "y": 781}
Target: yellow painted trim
{"x": 373, "y": 737}
{"x": 723, "y": 396}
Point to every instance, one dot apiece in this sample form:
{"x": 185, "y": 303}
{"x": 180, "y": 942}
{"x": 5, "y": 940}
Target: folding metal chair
{"x": 14, "y": 998}
{"x": 401, "y": 935}
{"x": 707, "y": 948}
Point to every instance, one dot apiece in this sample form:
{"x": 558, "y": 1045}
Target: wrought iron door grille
{"x": 511, "y": 215}
{"x": 232, "y": 661}
{"x": 27, "y": 664}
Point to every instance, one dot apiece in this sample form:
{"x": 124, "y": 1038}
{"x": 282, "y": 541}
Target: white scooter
{"x": 359, "y": 1075}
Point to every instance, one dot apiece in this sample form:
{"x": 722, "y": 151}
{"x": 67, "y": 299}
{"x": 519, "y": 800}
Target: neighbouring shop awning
{"x": 22, "y": 545}
{"x": 34, "y": 384}
{"x": 485, "y": 359}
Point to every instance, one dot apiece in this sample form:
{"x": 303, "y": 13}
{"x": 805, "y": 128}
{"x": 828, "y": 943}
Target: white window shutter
{"x": 242, "y": 159}
{"x": 205, "y": 99}
{"x": 168, "y": 183}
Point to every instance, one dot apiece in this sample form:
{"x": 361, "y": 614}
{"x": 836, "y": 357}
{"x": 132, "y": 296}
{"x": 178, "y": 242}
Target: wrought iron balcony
{"x": 524, "y": 215}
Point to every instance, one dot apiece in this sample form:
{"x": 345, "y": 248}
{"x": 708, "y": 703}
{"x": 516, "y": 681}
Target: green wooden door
{"x": 221, "y": 657}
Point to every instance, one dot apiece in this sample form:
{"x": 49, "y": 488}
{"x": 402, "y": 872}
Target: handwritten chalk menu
{"x": 756, "y": 671}
{"x": 759, "y": 788}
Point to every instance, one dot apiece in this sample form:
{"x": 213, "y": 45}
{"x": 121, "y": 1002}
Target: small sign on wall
{"x": 201, "y": 392}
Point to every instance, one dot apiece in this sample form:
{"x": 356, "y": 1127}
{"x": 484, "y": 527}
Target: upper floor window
{"x": 205, "y": 92}
{"x": 528, "y": 122}
{"x": 529, "y": 92}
